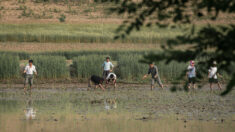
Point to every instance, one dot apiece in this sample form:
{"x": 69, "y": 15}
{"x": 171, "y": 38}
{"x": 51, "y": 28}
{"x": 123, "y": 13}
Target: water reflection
{"x": 30, "y": 112}
{"x": 110, "y": 104}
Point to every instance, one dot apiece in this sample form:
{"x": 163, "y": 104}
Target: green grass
{"x": 85, "y": 66}
{"x": 9, "y": 66}
{"x": 172, "y": 71}
{"x": 71, "y": 54}
{"x": 81, "y": 33}
{"x": 129, "y": 68}
{"x": 51, "y": 66}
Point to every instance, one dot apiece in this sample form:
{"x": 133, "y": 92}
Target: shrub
{"x": 50, "y": 66}
{"x": 62, "y": 18}
{"x": 9, "y": 66}
{"x": 85, "y": 66}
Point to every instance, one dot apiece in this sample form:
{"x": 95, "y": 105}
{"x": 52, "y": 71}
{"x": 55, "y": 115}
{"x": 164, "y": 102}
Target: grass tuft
{"x": 51, "y": 66}
{"x": 9, "y": 66}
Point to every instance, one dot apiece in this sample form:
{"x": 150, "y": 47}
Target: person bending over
{"x": 111, "y": 78}
{"x": 98, "y": 81}
{"x": 29, "y": 71}
{"x": 153, "y": 70}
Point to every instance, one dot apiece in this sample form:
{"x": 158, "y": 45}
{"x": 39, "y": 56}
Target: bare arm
{"x": 156, "y": 73}
{"x": 112, "y": 66}
{"x": 145, "y": 76}
{"x": 219, "y": 75}
{"x": 101, "y": 86}
{"x": 35, "y": 71}
{"x": 25, "y": 69}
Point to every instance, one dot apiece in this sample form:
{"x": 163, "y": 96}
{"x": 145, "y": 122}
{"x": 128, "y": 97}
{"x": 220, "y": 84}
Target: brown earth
{"x": 13, "y": 11}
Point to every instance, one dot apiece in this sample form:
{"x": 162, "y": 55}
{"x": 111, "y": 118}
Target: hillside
{"x": 74, "y": 11}
{"x": 35, "y": 11}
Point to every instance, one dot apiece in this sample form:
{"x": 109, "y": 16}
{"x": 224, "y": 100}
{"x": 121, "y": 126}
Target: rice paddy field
{"x": 68, "y": 41}
{"x": 128, "y": 108}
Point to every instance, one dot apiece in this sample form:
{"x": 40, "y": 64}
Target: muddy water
{"x": 121, "y": 110}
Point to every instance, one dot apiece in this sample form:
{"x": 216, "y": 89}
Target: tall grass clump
{"x": 85, "y": 66}
{"x": 51, "y": 66}
{"x": 129, "y": 68}
{"x": 171, "y": 71}
{"x": 9, "y": 66}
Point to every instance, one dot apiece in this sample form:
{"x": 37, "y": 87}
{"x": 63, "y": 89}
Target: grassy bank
{"x": 81, "y": 33}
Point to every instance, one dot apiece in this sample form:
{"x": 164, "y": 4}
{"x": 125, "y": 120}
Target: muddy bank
{"x": 120, "y": 86}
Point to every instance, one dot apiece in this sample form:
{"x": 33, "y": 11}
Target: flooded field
{"x": 130, "y": 108}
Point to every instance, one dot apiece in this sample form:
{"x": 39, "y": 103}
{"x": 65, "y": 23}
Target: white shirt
{"x": 30, "y": 70}
{"x": 107, "y": 65}
{"x": 191, "y": 71}
{"x": 114, "y": 75}
{"x": 212, "y": 72}
{"x": 30, "y": 113}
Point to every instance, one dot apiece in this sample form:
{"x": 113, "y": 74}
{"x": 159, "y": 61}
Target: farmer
{"x": 212, "y": 75}
{"x": 29, "y": 71}
{"x": 107, "y": 67}
{"x": 98, "y": 81}
{"x": 191, "y": 74}
{"x": 153, "y": 70}
{"x": 111, "y": 78}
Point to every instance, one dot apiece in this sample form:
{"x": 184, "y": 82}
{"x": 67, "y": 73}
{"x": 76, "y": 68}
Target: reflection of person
{"x": 30, "y": 113}
{"x": 153, "y": 70}
{"x": 110, "y": 104}
{"x": 107, "y": 67}
{"x": 191, "y": 74}
{"x": 97, "y": 80}
{"x": 212, "y": 75}
{"x": 111, "y": 78}
{"x": 29, "y": 71}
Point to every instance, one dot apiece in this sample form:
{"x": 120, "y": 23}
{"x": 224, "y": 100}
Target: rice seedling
{"x": 9, "y": 66}
{"x": 51, "y": 66}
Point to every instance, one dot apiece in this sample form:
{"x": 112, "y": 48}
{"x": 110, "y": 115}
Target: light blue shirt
{"x": 191, "y": 71}
{"x": 107, "y": 65}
